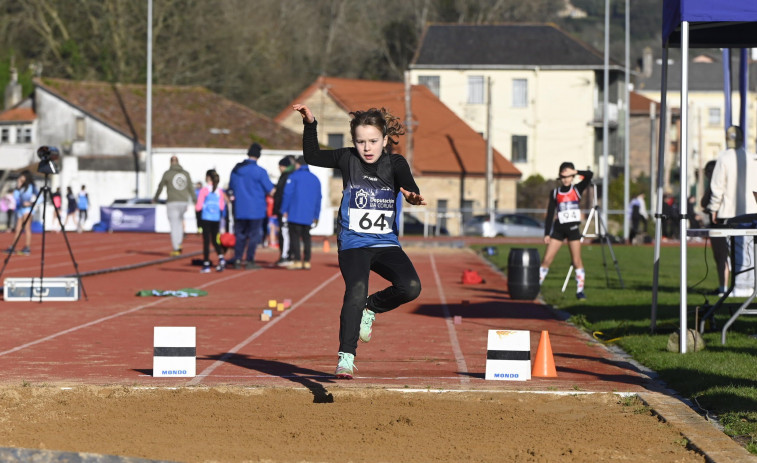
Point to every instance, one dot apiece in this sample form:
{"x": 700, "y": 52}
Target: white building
{"x": 546, "y": 98}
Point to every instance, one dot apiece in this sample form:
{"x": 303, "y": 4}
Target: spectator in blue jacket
{"x": 250, "y": 184}
{"x": 300, "y": 208}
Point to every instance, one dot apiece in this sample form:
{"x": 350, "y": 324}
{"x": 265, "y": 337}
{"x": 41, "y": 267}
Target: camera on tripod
{"x": 48, "y": 155}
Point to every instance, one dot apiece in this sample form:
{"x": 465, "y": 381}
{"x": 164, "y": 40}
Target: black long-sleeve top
{"x": 331, "y": 158}
{"x": 580, "y": 187}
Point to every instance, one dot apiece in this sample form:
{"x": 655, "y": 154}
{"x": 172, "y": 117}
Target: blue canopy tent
{"x": 696, "y": 24}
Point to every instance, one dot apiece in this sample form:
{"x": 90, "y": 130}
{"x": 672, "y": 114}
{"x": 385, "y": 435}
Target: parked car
{"x": 517, "y": 225}
{"x": 413, "y": 226}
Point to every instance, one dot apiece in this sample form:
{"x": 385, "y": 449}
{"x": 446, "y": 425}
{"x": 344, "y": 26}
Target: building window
{"x": 5, "y": 136}
{"x": 336, "y": 140}
{"x": 519, "y": 148}
{"x": 713, "y": 116}
{"x": 476, "y": 89}
{"x": 81, "y": 128}
{"x": 432, "y": 82}
{"x": 27, "y": 135}
{"x": 520, "y": 93}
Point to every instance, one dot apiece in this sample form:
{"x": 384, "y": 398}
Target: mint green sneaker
{"x": 345, "y": 366}
{"x": 366, "y": 325}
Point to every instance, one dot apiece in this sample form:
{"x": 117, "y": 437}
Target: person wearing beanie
{"x": 250, "y": 185}
{"x": 286, "y": 167}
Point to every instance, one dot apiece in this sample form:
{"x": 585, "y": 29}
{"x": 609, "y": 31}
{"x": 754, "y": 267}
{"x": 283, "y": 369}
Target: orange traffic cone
{"x": 544, "y": 364}
{"x": 326, "y": 246}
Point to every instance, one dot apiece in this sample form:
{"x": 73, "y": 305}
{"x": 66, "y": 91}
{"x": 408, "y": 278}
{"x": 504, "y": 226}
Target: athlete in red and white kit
{"x": 564, "y": 202}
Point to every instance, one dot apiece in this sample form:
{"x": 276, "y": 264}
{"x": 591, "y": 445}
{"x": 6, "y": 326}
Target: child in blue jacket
{"x": 300, "y": 208}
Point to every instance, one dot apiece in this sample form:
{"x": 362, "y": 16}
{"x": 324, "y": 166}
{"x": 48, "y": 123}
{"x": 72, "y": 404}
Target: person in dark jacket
{"x": 286, "y": 167}
{"x": 300, "y": 208}
{"x": 250, "y": 185}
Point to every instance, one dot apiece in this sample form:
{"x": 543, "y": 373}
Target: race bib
{"x": 569, "y": 215}
{"x": 371, "y": 211}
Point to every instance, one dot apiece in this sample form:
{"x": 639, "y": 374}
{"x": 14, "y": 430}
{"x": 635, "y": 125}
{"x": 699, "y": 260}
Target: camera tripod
{"x": 600, "y": 231}
{"x": 44, "y": 193}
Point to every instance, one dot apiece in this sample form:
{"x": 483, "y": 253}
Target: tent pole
{"x": 684, "y": 178}
{"x": 627, "y": 130}
{"x": 743, "y": 92}
{"x": 727, "y": 88}
{"x": 660, "y": 186}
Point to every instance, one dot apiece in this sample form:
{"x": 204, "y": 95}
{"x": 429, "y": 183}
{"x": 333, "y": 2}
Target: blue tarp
{"x": 713, "y": 23}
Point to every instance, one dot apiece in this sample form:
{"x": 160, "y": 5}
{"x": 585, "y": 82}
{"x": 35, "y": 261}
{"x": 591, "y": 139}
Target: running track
{"x": 107, "y": 338}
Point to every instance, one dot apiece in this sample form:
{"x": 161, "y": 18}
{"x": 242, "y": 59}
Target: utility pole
{"x": 148, "y": 118}
{"x": 408, "y": 121}
{"x": 489, "y": 153}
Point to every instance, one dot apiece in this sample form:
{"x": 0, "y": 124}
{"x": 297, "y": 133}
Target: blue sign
{"x": 139, "y": 219}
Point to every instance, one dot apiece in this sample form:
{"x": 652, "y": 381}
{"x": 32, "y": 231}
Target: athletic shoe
{"x": 295, "y": 265}
{"x": 9, "y": 251}
{"x": 580, "y": 295}
{"x": 205, "y": 267}
{"x": 175, "y": 253}
{"x": 366, "y": 325}
{"x": 252, "y": 266}
{"x": 306, "y": 265}
{"x": 221, "y": 264}
{"x": 345, "y": 366}
{"x": 284, "y": 263}
{"x": 26, "y": 251}
{"x": 237, "y": 264}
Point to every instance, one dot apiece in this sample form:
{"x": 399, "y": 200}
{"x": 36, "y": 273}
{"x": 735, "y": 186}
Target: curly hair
{"x": 390, "y": 126}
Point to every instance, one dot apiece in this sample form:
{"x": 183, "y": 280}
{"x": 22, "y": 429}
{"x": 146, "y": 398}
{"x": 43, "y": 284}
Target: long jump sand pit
{"x": 342, "y": 424}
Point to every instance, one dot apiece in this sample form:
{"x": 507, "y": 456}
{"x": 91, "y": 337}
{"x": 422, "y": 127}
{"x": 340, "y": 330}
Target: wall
{"x": 560, "y": 107}
{"x": 57, "y": 127}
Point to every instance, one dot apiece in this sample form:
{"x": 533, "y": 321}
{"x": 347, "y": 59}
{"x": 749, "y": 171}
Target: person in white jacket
{"x": 734, "y": 170}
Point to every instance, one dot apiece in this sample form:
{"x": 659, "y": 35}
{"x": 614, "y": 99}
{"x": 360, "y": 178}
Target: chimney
{"x": 12, "y": 90}
{"x": 647, "y": 62}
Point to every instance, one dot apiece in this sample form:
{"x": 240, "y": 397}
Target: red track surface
{"x": 107, "y": 339}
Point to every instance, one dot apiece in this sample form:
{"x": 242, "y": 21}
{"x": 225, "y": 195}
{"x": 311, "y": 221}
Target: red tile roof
{"x": 443, "y": 143}
{"x": 640, "y": 104}
{"x": 21, "y": 114}
{"x": 181, "y": 117}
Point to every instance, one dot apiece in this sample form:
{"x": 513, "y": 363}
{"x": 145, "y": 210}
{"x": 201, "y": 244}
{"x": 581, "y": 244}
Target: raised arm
{"x": 311, "y": 149}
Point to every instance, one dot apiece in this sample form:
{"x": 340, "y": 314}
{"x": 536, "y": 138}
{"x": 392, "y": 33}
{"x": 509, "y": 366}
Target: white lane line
{"x": 459, "y": 357}
{"x": 110, "y": 317}
{"x": 206, "y": 372}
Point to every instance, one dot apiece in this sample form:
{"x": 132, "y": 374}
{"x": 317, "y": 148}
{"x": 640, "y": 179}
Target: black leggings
{"x": 209, "y": 233}
{"x": 299, "y": 232}
{"x": 392, "y": 264}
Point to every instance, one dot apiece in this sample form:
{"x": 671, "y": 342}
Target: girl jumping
{"x": 367, "y": 235}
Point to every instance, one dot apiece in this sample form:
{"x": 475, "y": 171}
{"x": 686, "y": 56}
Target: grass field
{"x": 722, "y": 380}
